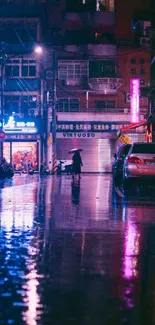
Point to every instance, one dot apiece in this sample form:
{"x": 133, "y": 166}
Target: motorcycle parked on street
{"x": 66, "y": 170}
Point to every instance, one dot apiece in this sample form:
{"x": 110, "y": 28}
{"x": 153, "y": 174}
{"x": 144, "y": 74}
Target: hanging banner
{"x": 134, "y": 100}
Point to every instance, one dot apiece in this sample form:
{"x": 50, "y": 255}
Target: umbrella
{"x": 75, "y": 150}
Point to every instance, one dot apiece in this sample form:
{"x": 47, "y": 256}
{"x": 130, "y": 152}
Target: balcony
{"x": 73, "y": 82}
{"x": 102, "y": 49}
{"x": 25, "y": 85}
{"x": 105, "y": 85}
{"x": 104, "y": 18}
{"x": 116, "y": 114}
{"x": 21, "y": 10}
{"x": 114, "y": 110}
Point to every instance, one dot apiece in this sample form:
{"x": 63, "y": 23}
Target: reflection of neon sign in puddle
{"x": 131, "y": 247}
{"x": 17, "y": 210}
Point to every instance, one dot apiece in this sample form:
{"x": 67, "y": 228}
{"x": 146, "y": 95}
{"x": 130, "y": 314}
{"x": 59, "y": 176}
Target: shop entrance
{"x": 20, "y": 153}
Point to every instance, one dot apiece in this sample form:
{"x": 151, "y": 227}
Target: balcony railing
{"x": 107, "y": 18}
{"x": 113, "y": 110}
{"x": 21, "y": 10}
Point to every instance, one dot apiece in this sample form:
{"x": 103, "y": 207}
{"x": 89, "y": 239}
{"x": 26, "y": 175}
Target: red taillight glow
{"x": 134, "y": 160}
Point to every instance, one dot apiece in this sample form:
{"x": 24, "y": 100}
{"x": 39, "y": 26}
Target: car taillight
{"x": 134, "y": 160}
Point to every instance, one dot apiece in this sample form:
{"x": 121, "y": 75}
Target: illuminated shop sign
{"x": 17, "y": 127}
{"x": 134, "y": 100}
{"x": 90, "y": 127}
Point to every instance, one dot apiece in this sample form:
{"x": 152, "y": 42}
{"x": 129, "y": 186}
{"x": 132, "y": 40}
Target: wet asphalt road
{"x": 80, "y": 255}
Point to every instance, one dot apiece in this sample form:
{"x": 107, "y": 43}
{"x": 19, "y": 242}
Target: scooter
{"x": 44, "y": 170}
{"x": 59, "y": 167}
{"x": 66, "y": 170}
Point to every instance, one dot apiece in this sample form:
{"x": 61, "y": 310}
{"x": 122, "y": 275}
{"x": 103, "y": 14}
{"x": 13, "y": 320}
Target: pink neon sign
{"x": 134, "y": 100}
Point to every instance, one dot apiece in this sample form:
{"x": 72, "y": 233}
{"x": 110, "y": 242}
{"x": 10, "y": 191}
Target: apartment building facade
{"x": 95, "y": 66}
{"x": 99, "y": 52}
{"x": 21, "y": 82}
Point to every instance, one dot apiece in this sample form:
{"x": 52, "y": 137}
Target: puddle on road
{"x": 66, "y": 263}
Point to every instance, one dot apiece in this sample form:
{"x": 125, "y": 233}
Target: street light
{"x": 38, "y": 49}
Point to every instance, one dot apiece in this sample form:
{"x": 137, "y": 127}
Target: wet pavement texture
{"x": 75, "y": 254}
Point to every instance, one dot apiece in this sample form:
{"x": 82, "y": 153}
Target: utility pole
{"x": 152, "y": 69}
{"x": 54, "y": 119}
{"x": 51, "y": 119}
{"x": 2, "y": 63}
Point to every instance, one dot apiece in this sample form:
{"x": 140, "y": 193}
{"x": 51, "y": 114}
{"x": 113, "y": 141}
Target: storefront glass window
{"x": 24, "y": 153}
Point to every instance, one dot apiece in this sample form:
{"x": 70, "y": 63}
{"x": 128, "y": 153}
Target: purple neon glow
{"x": 134, "y": 100}
{"x": 131, "y": 251}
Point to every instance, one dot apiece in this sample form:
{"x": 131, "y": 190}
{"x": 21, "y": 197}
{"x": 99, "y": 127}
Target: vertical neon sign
{"x": 134, "y": 100}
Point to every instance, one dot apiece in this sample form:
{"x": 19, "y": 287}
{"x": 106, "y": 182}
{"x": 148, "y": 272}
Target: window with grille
{"x": 19, "y": 103}
{"x": 72, "y": 70}
{"x": 20, "y": 68}
{"x": 68, "y": 105}
{"x": 104, "y": 105}
{"x": 28, "y": 102}
{"x": 102, "y": 68}
{"x": 11, "y": 104}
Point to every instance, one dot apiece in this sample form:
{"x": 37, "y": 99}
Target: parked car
{"x": 139, "y": 165}
{"x": 117, "y": 167}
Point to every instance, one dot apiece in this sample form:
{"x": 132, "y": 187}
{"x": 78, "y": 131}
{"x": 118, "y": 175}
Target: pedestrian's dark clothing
{"x": 76, "y": 163}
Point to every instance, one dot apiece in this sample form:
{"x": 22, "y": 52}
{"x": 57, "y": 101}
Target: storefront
{"x": 22, "y": 144}
{"x": 98, "y": 140}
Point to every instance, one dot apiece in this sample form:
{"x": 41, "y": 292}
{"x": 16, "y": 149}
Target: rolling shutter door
{"x": 96, "y": 155}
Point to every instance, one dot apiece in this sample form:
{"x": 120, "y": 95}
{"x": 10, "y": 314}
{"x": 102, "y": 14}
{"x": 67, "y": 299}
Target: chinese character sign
{"x": 134, "y": 100}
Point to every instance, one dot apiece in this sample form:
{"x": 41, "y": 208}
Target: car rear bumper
{"x": 136, "y": 172}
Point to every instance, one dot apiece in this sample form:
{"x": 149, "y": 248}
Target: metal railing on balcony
{"x": 113, "y": 110}
{"x": 116, "y": 110}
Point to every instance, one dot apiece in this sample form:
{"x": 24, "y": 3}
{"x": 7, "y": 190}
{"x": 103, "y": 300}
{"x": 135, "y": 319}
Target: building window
{"x": 133, "y": 71}
{"x": 110, "y": 104}
{"x": 19, "y": 104}
{"x": 102, "y": 69}
{"x": 68, "y": 105}
{"x": 72, "y": 70}
{"x": 105, "y": 105}
{"x": 28, "y": 103}
{"x": 11, "y": 104}
{"x": 105, "y": 5}
{"x": 142, "y": 71}
{"x": 12, "y": 71}
{"x": 142, "y": 61}
{"x": 133, "y": 61}
{"x": 20, "y": 68}
{"x": 28, "y": 68}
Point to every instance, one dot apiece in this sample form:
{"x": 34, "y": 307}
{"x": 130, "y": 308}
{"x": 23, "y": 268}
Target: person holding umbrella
{"x": 76, "y": 162}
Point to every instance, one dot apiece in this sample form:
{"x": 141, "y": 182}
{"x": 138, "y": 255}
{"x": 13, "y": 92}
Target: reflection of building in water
{"x": 15, "y": 214}
{"x": 92, "y": 211}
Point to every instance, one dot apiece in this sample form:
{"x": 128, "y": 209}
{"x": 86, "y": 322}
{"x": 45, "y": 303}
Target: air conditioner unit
{"x": 49, "y": 74}
{"x": 127, "y": 97}
{"x": 146, "y": 41}
{"x": 146, "y": 28}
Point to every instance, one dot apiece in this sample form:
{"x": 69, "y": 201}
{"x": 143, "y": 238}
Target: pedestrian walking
{"x": 76, "y": 164}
